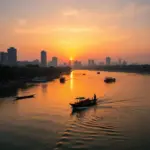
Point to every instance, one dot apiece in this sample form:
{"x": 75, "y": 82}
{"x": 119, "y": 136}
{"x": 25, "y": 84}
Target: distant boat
{"x": 98, "y": 72}
{"x": 62, "y": 80}
{"x": 109, "y": 80}
{"x": 39, "y": 80}
{"x": 84, "y": 74}
{"x": 83, "y": 103}
{"x": 24, "y": 97}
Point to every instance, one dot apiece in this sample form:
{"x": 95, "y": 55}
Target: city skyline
{"x": 47, "y": 59}
{"x": 77, "y": 29}
{"x": 10, "y": 58}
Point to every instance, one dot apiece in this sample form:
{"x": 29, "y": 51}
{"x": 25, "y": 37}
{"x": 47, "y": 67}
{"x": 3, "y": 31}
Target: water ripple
{"x": 82, "y": 131}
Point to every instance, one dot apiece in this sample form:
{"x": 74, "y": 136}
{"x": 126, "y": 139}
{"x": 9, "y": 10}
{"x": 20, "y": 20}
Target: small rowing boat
{"x": 24, "y": 97}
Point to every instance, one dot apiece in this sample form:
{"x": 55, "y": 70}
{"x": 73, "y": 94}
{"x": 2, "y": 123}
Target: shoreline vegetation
{"x": 141, "y": 69}
{"x": 18, "y": 77}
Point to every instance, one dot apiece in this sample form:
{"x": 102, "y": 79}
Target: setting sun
{"x": 84, "y": 30}
{"x": 74, "y": 74}
{"x": 71, "y": 58}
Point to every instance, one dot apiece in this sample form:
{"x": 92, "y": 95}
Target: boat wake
{"x": 84, "y": 127}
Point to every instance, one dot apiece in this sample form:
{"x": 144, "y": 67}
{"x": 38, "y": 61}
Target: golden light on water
{"x": 71, "y": 81}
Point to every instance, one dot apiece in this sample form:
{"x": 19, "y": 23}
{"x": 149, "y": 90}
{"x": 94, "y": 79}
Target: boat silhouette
{"x": 83, "y": 103}
{"x": 24, "y": 97}
{"x": 109, "y": 80}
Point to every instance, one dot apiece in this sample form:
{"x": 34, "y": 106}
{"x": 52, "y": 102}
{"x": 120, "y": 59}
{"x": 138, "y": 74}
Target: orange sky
{"x": 71, "y": 28}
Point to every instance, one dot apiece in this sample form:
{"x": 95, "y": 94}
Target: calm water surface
{"x": 120, "y": 121}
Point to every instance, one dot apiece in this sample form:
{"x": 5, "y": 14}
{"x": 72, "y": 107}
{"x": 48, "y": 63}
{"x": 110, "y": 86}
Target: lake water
{"x": 120, "y": 121}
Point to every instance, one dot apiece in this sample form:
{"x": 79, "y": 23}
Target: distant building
{"x": 124, "y": 63}
{"x": 114, "y": 63}
{"x": 3, "y": 58}
{"x": 77, "y": 64}
{"x": 53, "y": 62}
{"x": 25, "y": 63}
{"x": 101, "y": 63}
{"x": 120, "y": 61}
{"x": 43, "y": 59}
{"x": 108, "y": 61}
{"x": 70, "y": 63}
{"x": 91, "y": 62}
{"x": 12, "y": 56}
{"x": 35, "y": 62}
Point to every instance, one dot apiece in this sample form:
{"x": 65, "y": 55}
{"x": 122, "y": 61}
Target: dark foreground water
{"x": 120, "y": 121}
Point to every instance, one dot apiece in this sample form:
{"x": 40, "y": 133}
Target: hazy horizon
{"x": 79, "y": 29}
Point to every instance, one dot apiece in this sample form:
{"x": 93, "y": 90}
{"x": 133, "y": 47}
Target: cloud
{"x": 22, "y": 22}
{"x": 31, "y": 31}
{"x": 71, "y": 12}
{"x": 76, "y": 29}
{"x": 49, "y": 29}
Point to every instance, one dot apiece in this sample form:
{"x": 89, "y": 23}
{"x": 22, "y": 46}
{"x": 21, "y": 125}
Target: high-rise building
{"x": 54, "y": 61}
{"x": 12, "y": 56}
{"x": 108, "y": 61}
{"x": 3, "y": 58}
{"x": 43, "y": 59}
{"x": 91, "y": 62}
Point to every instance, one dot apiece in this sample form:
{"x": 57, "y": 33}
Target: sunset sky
{"x": 80, "y": 29}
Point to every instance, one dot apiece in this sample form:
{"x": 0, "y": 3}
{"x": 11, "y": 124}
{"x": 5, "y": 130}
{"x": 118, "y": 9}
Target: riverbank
{"x": 142, "y": 69}
{"x": 16, "y": 77}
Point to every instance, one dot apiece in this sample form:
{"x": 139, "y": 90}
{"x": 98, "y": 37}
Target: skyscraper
{"x": 43, "y": 59}
{"x": 108, "y": 60}
{"x": 54, "y": 61}
{"x": 12, "y": 56}
{"x": 3, "y": 58}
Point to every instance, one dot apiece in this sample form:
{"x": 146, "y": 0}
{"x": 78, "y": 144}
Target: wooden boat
{"x": 83, "y": 103}
{"x": 109, "y": 80}
{"x": 98, "y": 72}
{"x": 62, "y": 80}
{"x": 24, "y": 97}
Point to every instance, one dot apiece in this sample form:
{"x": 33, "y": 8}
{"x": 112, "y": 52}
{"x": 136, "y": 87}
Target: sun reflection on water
{"x": 71, "y": 81}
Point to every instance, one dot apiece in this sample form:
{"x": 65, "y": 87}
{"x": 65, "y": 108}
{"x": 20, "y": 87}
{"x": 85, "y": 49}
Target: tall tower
{"x": 43, "y": 58}
{"x": 12, "y": 56}
{"x": 108, "y": 61}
